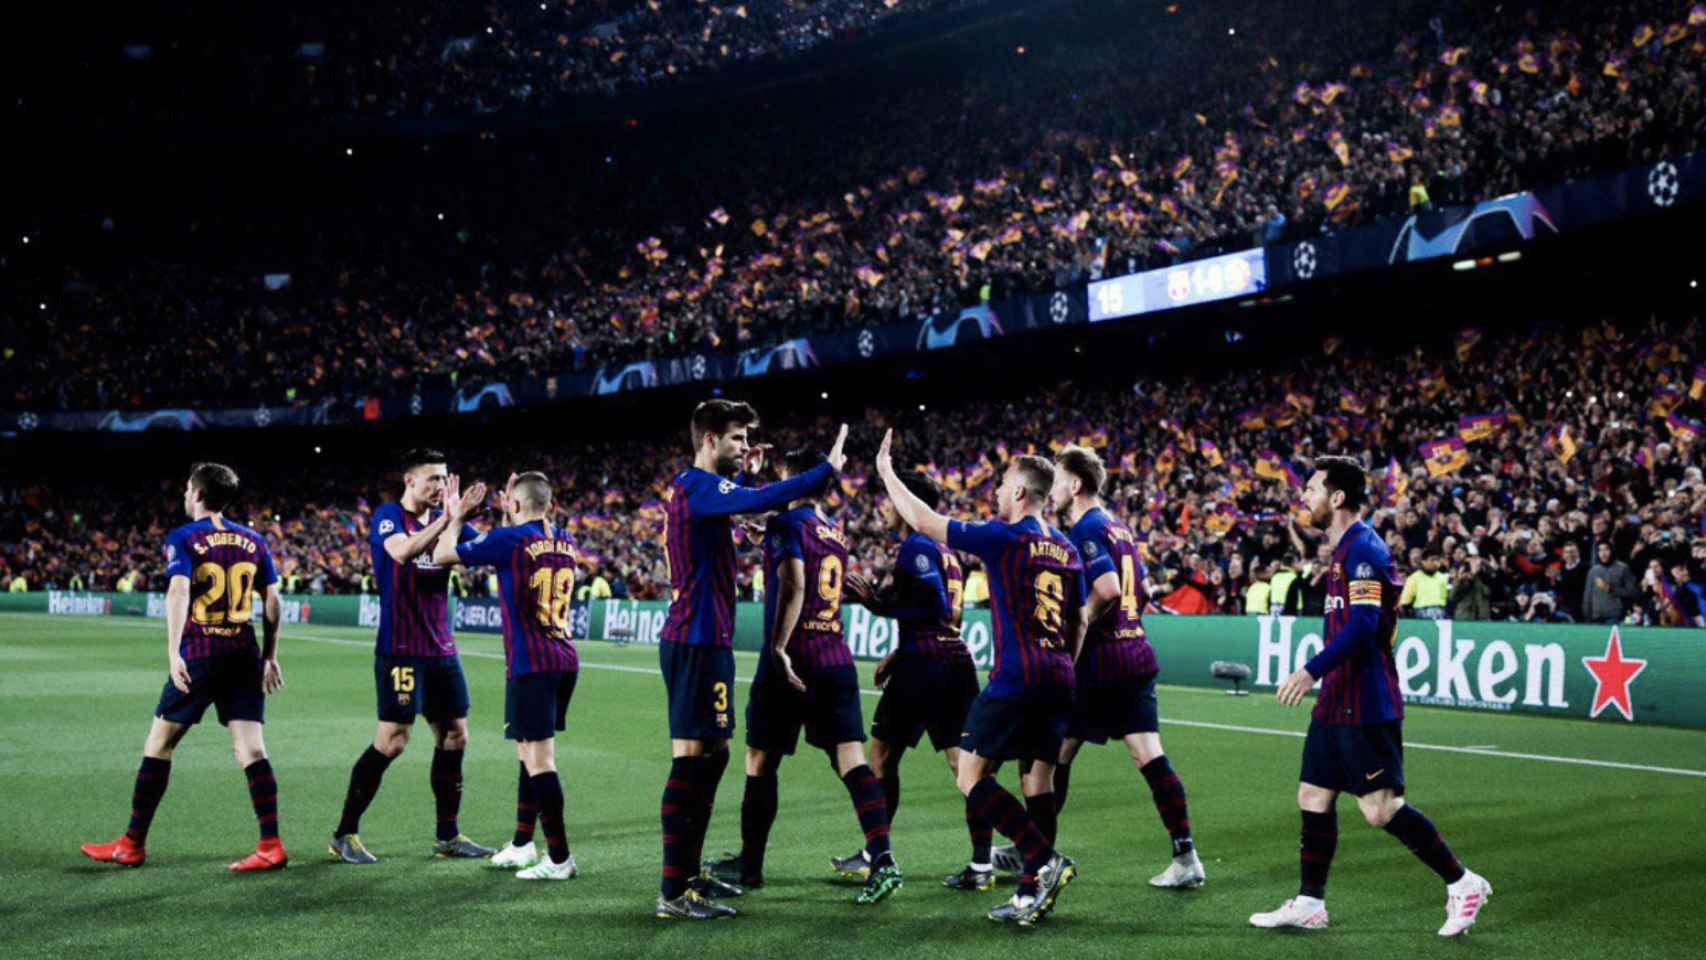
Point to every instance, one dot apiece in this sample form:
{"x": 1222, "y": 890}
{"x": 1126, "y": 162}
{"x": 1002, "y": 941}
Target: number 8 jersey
{"x": 225, "y": 563}
{"x": 1035, "y": 576}
{"x": 536, "y": 579}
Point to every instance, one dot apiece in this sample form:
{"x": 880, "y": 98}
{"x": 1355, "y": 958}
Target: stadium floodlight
{"x": 1236, "y": 672}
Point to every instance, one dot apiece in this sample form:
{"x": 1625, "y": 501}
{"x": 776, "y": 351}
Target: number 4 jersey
{"x": 224, "y": 563}
{"x": 536, "y": 578}
{"x": 1035, "y": 576}
{"x": 1115, "y": 647}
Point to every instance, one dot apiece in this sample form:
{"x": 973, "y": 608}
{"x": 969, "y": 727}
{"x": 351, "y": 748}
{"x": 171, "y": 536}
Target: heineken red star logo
{"x": 1612, "y": 675}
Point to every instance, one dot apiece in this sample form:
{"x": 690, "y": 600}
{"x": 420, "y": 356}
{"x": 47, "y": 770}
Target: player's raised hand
{"x": 755, "y": 456}
{"x": 838, "y": 456}
{"x": 272, "y": 677}
{"x": 858, "y": 589}
{"x": 473, "y": 499}
{"x": 453, "y": 496}
{"x": 885, "y": 455}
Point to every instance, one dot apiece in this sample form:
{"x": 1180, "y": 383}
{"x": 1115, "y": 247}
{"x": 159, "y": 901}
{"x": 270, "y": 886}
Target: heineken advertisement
{"x": 1551, "y": 669}
{"x": 1614, "y": 673}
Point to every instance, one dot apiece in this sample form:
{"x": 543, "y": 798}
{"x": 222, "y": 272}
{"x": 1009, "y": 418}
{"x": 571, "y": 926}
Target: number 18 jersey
{"x": 536, "y": 579}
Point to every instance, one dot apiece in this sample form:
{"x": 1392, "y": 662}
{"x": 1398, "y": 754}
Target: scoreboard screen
{"x": 1201, "y": 281}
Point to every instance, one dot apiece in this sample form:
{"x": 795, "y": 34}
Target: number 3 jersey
{"x": 225, "y": 563}
{"x": 535, "y": 564}
{"x": 1035, "y": 578}
{"x": 1115, "y": 646}
{"x": 803, "y": 534}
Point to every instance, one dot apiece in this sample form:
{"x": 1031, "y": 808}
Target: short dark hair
{"x": 1345, "y": 476}
{"x": 533, "y": 490}
{"x": 1038, "y": 474}
{"x": 217, "y": 484}
{"x": 421, "y": 456}
{"x": 797, "y": 462}
{"x": 923, "y": 487}
{"x": 716, "y": 416}
{"x": 1086, "y": 465}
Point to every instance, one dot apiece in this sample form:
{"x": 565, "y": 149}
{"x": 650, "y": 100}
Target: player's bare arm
{"x": 177, "y": 614}
{"x": 793, "y": 599}
{"x": 914, "y": 511}
{"x": 272, "y": 677}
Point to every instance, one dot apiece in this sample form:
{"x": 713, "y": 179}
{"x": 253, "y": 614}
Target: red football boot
{"x": 122, "y": 851}
{"x": 268, "y": 855}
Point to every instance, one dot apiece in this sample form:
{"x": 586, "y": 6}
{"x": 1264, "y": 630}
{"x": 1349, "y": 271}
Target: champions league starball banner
{"x": 1497, "y": 224}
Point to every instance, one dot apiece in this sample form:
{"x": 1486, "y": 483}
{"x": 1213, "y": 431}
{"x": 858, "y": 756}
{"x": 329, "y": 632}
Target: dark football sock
{"x": 526, "y": 808}
{"x": 1320, "y": 839}
{"x": 677, "y": 815}
{"x": 363, "y": 786}
{"x": 890, "y": 778}
{"x": 548, "y": 792}
{"x": 872, "y": 810}
{"x": 982, "y": 835}
{"x": 151, "y": 780}
{"x": 447, "y": 790}
{"x": 1169, "y": 796}
{"x": 1062, "y": 783}
{"x": 757, "y": 816}
{"x": 263, "y": 793}
{"x": 1044, "y": 813}
{"x": 707, "y": 773}
{"x": 994, "y": 804}
{"x": 1417, "y": 832}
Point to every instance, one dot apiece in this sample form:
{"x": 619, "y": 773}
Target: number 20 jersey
{"x": 225, "y": 563}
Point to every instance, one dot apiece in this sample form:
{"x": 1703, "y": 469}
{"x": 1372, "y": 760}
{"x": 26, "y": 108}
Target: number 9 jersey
{"x": 225, "y": 564}
{"x": 535, "y": 564}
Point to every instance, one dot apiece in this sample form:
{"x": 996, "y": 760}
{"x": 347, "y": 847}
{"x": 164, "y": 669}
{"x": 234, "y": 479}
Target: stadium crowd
{"x": 1034, "y": 173}
{"x": 1566, "y": 484}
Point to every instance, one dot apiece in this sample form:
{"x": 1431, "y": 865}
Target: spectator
{"x": 1426, "y": 590}
{"x": 1471, "y": 593}
{"x": 1610, "y": 588}
{"x": 1572, "y": 581}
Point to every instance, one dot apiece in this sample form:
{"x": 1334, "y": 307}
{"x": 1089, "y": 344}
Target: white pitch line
{"x": 1233, "y": 728}
{"x": 1203, "y": 724}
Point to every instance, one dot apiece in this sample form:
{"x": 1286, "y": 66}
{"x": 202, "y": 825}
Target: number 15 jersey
{"x": 536, "y": 579}
{"x": 1035, "y": 576}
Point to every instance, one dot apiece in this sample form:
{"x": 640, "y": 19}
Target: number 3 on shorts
{"x": 720, "y": 690}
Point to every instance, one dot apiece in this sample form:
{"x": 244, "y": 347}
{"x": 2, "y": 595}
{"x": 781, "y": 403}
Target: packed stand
{"x": 1565, "y": 486}
{"x": 1036, "y": 173}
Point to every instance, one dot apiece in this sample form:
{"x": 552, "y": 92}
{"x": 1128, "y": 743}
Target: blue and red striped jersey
{"x": 414, "y": 597}
{"x": 1035, "y": 576}
{"x": 536, "y": 580}
{"x": 700, "y": 548}
{"x": 225, "y": 563}
{"x": 803, "y": 534}
{"x": 1357, "y": 668}
{"x": 929, "y": 589}
{"x": 1115, "y": 646}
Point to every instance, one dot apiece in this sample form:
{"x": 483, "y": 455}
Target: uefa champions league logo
{"x": 1059, "y": 307}
{"x": 697, "y": 367}
{"x": 27, "y": 421}
{"x": 1303, "y": 260}
{"x": 415, "y": 404}
{"x": 1663, "y": 185}
{"x": 867, "y": 344}
{"x": 263, "y": 416}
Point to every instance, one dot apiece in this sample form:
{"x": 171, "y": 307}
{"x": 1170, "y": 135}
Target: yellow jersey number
{"x": 1051, "y": 595}
{"x": 228, "y": 596}
{"x": 553, "y": 589}
{"x": 829, "y": 579}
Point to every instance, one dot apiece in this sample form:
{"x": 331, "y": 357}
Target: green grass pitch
{"x": 1586, "y": 860}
